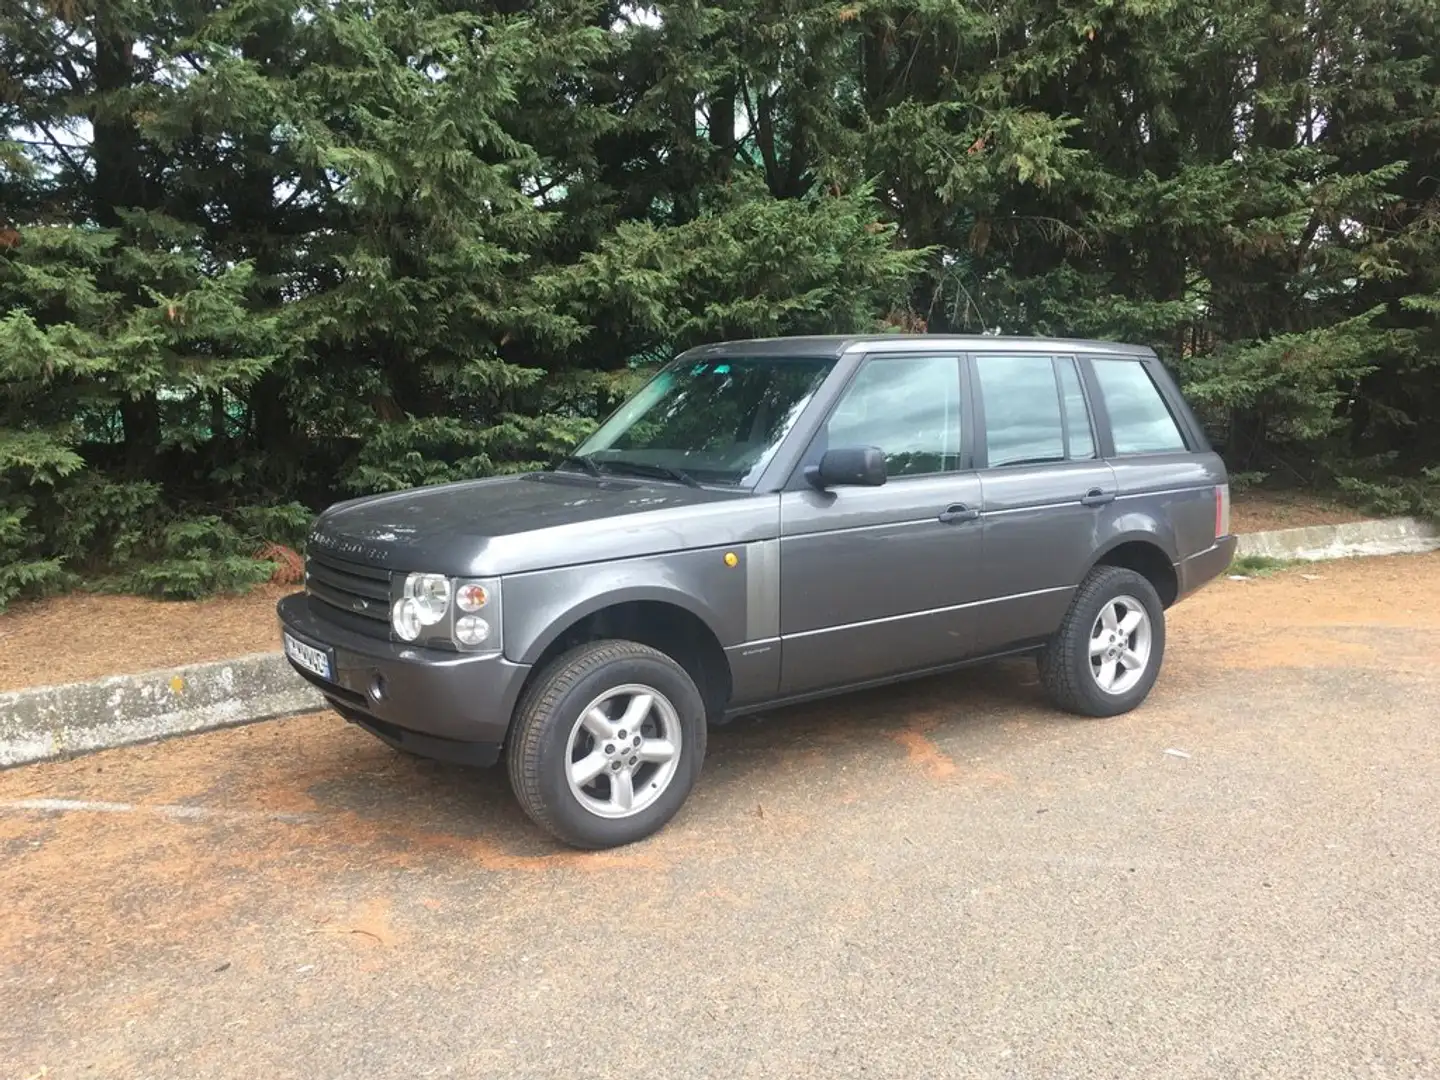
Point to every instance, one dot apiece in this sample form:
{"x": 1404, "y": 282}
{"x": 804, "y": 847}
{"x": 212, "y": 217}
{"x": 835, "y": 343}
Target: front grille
{"x": 354, "y": 595}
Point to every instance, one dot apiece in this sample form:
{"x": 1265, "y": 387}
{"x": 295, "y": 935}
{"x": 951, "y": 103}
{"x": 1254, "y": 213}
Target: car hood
{"x": 515, "y": 523}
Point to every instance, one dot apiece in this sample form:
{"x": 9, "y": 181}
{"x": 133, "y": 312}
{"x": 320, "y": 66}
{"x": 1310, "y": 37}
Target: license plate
{"x": 310, "y": 658}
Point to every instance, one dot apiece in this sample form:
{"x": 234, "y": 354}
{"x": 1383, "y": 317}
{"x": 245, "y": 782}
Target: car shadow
{"x": 398, "y": 792}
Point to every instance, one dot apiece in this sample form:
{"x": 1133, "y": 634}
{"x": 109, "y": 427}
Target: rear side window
{"x": 1023, "y": 423}
{"x": 1139, "y": 419}
{"x": 1022, "y": 409}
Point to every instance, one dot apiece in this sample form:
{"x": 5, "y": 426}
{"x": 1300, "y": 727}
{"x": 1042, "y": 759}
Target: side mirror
{"x": 848, "y": 466}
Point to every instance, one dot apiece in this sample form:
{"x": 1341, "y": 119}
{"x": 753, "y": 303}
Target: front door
{"x": 1045, "y": 491}
{"x": 879, "y": 581}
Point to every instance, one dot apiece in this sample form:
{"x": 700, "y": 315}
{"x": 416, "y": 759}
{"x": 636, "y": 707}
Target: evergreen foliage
{"x": 257, "y": 255}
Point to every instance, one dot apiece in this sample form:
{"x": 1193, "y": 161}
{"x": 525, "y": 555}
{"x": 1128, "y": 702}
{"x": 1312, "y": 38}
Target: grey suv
{"x": 767, "y": 522}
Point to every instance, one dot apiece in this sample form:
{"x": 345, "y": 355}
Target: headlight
{"x": 405, "y": 618}
{"x": 431, "y": 593}
{"x": 436, "y": 611}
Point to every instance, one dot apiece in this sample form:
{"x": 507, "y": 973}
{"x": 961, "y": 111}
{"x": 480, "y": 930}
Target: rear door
{"x": 877, "y": 581}
{"x": 1045, "y": 488}
{"x": 1165, "y": 470}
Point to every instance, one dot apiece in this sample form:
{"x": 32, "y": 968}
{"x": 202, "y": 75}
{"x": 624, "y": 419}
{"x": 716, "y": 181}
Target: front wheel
{"x": 607, "y": 743}
{"x": 1106, "y": 655}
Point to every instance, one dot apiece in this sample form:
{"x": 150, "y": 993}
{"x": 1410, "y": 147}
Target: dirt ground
{"x": 940, "y": 879}
{"x": 1261, "y": 511}
{"x": 114, "y": 635}
{"x": 86, "y": 636}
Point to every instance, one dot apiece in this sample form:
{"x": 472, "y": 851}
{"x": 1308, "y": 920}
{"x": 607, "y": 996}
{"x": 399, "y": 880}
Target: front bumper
{"x": 431, "y": 702}
{"x": 1204, "y": 567}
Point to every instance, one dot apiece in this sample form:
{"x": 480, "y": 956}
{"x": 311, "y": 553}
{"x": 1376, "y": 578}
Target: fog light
{"x": 471, "y": 630}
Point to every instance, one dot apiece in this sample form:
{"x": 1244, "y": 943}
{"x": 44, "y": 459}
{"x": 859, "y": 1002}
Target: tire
{"x": 556, "y": 729}
{"x": 1073, "y": 676}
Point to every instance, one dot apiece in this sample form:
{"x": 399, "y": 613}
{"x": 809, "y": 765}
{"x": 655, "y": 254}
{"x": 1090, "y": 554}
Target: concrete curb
{"x": 61, "y": 721}
{"x": 1391, "y": 536}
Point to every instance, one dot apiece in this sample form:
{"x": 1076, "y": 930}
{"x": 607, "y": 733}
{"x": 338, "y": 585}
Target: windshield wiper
{"x": 584, "y": 462}
{"x": 643, "y": 468}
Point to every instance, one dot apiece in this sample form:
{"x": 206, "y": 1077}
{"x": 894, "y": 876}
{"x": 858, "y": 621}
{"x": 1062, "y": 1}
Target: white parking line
{"x": 87, "y": 806}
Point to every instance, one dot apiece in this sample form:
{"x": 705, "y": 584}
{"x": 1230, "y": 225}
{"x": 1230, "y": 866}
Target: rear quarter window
{"x": 1140, "y": 421}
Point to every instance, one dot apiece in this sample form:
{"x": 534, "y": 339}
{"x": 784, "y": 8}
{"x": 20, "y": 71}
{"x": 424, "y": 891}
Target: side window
{"x": 1077, "y": 415}
{"x": 907, "y": 406}
{"x": 1139, "y": 419}
{"x": 1022, "y": 409}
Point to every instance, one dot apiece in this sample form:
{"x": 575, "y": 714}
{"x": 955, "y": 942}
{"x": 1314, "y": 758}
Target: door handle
{"x": 1096, "y": 497}
{"x": 959, "y": 512}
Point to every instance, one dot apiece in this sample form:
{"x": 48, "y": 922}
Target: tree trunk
{"x": 120, "y": 184}
{"x": 722, "y": 126}
{"x": 119, "y": 178}
{"x": 141, "y": 417}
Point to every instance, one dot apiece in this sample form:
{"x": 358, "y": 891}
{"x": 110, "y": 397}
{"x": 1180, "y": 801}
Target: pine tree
{"x": 260, "y": 253}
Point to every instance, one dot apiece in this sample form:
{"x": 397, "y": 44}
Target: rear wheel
{"x": 607, "y": 743}
{"x": 1107, "y": 653}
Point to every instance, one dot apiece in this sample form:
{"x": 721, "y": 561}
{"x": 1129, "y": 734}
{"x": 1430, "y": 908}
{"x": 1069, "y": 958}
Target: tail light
{"x": 1222, "y": 510}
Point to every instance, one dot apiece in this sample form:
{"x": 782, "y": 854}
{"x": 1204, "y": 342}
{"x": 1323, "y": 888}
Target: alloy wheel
{"x": 623, "y": 751}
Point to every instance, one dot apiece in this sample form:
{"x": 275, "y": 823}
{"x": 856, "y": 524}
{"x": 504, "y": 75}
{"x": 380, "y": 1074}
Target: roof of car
{"x": 839, "y": 344}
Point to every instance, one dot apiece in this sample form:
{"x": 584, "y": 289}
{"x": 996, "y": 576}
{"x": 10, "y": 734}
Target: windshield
{"x": 713, "y": 421}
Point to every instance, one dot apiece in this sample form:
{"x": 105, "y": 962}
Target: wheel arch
{"x": 668, "y": 621}
{"x": 1147, "y": 553}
